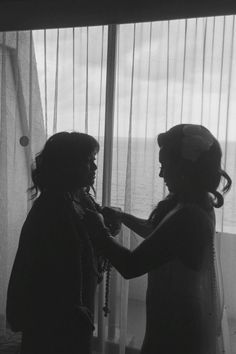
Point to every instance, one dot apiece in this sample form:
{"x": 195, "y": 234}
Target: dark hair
{"x": 204, "y": 172}
{"x": 54, "y": 167}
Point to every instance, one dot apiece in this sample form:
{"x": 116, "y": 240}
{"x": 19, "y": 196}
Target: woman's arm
{"x": 141, "y": 227}
{"x": 154, "y": 251}
{"x": 131, "y": 264}
{"x": 181, "y": 234}
{"x": 151, "y": 253}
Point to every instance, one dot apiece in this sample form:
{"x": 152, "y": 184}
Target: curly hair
{"x": 204, "y": 172}
{"x": 54, "y": 167}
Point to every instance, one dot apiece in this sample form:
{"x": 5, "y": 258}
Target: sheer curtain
{"x": 166, "y": 72}
{"x": 174, "y": 72}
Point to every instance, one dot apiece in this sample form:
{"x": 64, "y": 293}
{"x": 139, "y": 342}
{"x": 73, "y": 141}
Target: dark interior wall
{"x": 35, "y": 14}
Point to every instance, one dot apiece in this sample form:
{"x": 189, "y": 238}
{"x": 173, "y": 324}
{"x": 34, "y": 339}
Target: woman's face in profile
{"x": 87, "y": 171}
{"x": 169, "y": 171}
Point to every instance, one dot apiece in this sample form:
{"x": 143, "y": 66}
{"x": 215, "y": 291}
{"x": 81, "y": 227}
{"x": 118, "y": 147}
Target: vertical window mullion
{"x": 45, "y": 83}
{"x": 30, "y": 113}
{"x": 108, "y": 148}
{"x": 73, "y": 76}
{"x": 56, "y": 85}
{"x": 87, "y": 82}
{"x": 109, "y": 114}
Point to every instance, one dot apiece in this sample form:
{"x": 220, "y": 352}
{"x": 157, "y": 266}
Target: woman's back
{"x": 180, "y": 294}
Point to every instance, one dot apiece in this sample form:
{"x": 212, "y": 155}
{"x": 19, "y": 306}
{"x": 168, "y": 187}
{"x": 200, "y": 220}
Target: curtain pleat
{"x": 100, "y": 102}
{"x": 229, "y": 89}
{"x": 148, "y": 86}
{"x": 30, "y": 114}
{"x": 221, "y": 78}
{"x": 117, "y": 114}
{"x": 192, "y": 68}
{"x": 56, "y": 84}
{"x": 45, "y": 84}
{"x": 87, "y": 78}
{"x": 3, "y": 188}
{"x": 167, "y": 74}
{"x": 17, "y": 88}
{"x": 184, "y": 66}
{"x": 211, "y": 65}
{"x": 164, "y": 189}
{"x": 203, "y": 68}
{"x": 100, "y": 87}
{"x": 73, "y": 78}
{"x": 30, "y": 86}
{"x": 128, "y": 193}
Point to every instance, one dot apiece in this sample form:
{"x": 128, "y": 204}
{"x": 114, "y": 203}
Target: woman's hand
{"x": 112, "y": 219}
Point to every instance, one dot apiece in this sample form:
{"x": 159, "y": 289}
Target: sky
{"x": 165, "y": 71}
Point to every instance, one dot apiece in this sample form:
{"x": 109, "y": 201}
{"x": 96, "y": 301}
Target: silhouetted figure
{"x": 182, "y": 304}
{"x": 56, "y": 271}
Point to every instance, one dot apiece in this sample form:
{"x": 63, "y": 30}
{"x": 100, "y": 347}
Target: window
{"x": 165, "y": 73}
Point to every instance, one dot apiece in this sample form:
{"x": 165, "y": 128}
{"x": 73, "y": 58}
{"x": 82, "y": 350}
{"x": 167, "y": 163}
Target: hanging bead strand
{"x": 106, "y": 308}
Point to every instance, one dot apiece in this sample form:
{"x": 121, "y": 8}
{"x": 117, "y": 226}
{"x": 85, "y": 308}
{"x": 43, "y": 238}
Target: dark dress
{"x": 181, "y": 292}
{"x": 53, "y": 282}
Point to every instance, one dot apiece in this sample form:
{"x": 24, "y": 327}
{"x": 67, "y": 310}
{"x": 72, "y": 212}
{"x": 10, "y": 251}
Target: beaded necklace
{"x": 85, "y": 200}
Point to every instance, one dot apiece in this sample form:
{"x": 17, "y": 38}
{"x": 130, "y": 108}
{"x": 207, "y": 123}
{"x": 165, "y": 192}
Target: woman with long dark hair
{"x": 182, "y": 305}
{"x": 56, "y": 270}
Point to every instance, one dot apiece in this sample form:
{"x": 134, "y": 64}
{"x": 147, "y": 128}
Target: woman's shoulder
{"x": 195, "y": 221}
{"x": 191, "y": 217}
{"x": 46, "y": 212}
{"x": 49, "y": 203}
{"x": 196, "y": 232}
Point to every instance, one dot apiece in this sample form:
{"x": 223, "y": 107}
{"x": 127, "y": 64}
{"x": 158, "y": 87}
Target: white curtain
{"x": 21, "y": 136}
{"x": 174, "y": 72}
{"x": 166, "y": 72}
